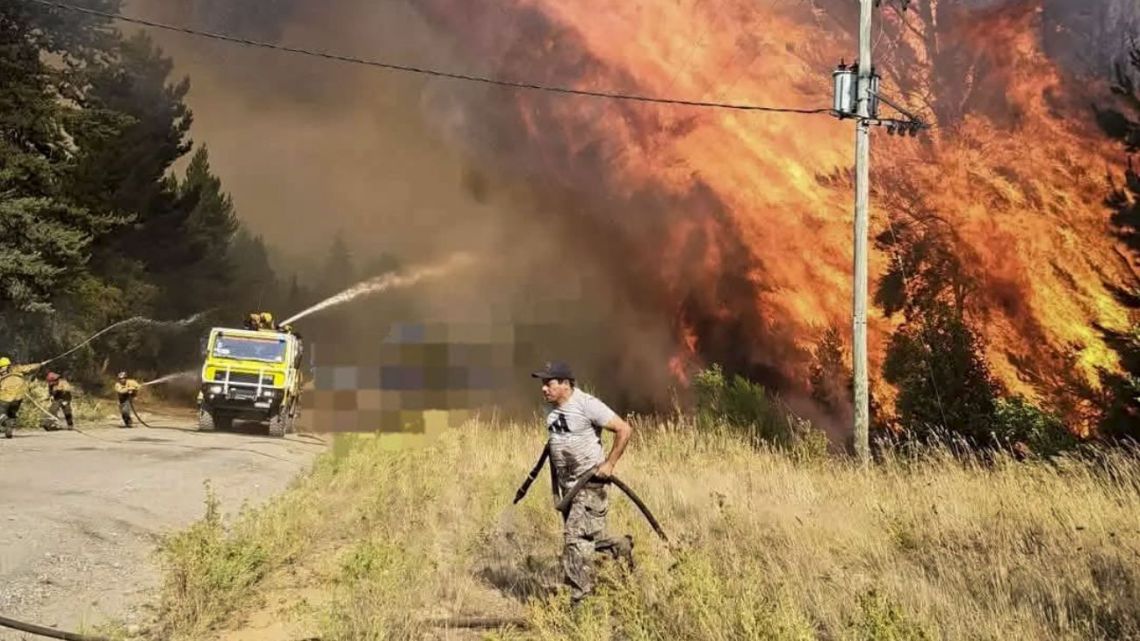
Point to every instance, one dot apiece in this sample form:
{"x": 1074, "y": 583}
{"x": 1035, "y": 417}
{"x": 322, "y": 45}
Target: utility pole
{"x": 862, "y": 198}
{"x": 856, "y": 95}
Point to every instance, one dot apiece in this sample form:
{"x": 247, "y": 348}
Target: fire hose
{"x": 136, "y": 413}
{"x": 56, "y": 419}
{"x": 46, "y": 632}
{"x": 562, "y": 503}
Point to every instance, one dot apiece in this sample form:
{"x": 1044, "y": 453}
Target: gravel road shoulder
{"x": 80, "y": 513}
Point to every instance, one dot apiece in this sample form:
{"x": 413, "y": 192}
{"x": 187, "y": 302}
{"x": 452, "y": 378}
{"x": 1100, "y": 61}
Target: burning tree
{"x": 1122, "y": 123}
{"x": 724, "y": 236}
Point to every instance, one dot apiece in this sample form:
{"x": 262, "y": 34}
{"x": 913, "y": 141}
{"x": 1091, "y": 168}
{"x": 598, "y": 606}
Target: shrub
{"x": 1016, "y": 420}
{"x": 748, "y": 409}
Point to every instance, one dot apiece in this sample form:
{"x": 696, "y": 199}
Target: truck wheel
{"x": 205, "y": 421}
{"x": 291, "y": 418}
{"x": 277, "y": 425}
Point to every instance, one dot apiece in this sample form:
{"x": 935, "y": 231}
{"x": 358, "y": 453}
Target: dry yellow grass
{"x": 85, "y": 408}
{"x": 394, "y": 532}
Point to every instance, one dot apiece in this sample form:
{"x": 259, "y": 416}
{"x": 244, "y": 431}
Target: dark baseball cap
{"x": 554, "y": 369}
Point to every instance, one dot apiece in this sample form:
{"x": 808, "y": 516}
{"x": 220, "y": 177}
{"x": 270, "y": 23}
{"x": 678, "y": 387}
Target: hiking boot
{"x": 619, "y": 549}
{"x": 624, "y": 550}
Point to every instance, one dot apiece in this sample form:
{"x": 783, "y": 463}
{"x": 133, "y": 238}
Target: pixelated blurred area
{"x": 420, "y": 378}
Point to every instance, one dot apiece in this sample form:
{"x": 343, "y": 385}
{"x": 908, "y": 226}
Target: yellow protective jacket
{"x": 60, "y": 388}
{"x": 129, "y": 387}
{"x": 12, "y": 384}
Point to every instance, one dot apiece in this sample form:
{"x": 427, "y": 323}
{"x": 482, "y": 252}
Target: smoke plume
{"x": 675, "y": 236}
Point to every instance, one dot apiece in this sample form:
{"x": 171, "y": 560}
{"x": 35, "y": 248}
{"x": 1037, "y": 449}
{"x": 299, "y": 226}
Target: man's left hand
{"x": 605, "y": 470}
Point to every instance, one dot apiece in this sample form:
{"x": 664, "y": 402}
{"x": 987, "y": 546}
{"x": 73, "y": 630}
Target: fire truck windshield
{"x": 253, "y": 349}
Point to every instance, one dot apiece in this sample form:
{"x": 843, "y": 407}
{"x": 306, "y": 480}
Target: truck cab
{"x": 251, "y": 375}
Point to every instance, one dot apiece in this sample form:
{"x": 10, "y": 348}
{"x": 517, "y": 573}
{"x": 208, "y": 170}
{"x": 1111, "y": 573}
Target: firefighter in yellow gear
{"x": 59, "y": 389}
{"x": 12, "y": 390}
{"x": 259, "y": 321}
{"x": 127, "y": 389}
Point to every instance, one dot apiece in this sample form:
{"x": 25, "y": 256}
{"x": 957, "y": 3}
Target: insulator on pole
{"x": 873, "y": 96}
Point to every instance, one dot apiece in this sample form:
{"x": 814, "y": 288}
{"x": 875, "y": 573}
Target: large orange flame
{"x": 1014, "y": 175}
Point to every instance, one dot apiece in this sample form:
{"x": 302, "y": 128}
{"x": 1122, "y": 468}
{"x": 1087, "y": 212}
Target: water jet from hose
{"x": 129, "y": 321}
{"x": 163, "y": 379}
{"x": 384, "y": 282}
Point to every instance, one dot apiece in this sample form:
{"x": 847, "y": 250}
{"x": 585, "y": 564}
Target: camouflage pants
{"x": 584, "y": 534}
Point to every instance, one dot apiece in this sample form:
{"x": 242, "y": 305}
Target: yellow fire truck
{"x": 250, "y": 375}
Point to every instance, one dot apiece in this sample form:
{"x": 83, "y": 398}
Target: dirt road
{"x": 80, "y": 513}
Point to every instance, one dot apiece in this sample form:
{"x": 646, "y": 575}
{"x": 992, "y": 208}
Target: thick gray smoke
{"x": 1088, "y": 36}
{"x": 422, "y": 167}
{"x": 309, "y": 147}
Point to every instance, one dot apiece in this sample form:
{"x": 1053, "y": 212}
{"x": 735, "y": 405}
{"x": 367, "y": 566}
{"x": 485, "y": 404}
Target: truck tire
{"x": 224, "y": 421}
{"x": 291, "y": 418}
{"x": 208, "y": 421}
{"x": 278, "y": 425}
{"x": 205, "y": 421}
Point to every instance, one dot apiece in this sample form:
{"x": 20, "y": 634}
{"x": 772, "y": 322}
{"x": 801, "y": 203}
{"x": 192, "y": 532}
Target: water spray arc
{"x": 385, "y": 282}
{"x": 169, "y": 377}
{"x": 129, "y": 321}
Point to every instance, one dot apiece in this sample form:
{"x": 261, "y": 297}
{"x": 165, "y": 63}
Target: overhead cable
{"x": 424, "y": 70}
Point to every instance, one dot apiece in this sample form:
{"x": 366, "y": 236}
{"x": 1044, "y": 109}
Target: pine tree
{"x": 253, "y": 282}
{"x": 94, "y": 225}
{"x": 944, "y": 384}
{"x": 338, "y": 271}
{"x": 205, "y": 278}
{"x": 830, "y": 376}
{"x": 46, "y": 233}
{"x": 128, "y": 172}
{"x": 1121, "y": 417}
{"x": 934, "y": 357}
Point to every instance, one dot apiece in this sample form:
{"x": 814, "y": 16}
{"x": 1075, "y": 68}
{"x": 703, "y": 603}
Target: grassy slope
{"x": 765, "y": 547}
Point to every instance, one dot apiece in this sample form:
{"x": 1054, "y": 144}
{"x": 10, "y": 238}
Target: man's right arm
{"x": 609, "y": 420}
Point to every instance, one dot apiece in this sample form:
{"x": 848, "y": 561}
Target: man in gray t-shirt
{"x": 575, "y": 423}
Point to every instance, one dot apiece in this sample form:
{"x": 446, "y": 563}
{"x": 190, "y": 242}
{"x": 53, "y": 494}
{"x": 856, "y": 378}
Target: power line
{"x": 423, "y": 70}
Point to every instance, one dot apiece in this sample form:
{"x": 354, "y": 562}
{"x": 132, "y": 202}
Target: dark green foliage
{"x": 943, "y": 382}
{"x": 46, "y": 232}
{"x": 338, "y": 270}
{"x": 747, "y": 408}
{"x": 830, "y": 377}
{"x": 936, "y": 358}
{"x": 1121, "y": 122}
{"x": 208, "y": 274}
{"x": 38, "y": 248}
{"x": 1016, "y": 420}
{"x": 1121, "y": 419}
{"x": 95, "y": 226}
